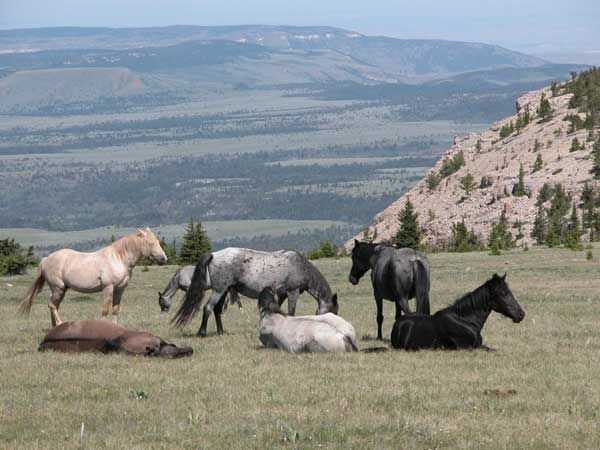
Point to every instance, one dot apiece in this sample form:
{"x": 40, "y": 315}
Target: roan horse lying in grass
{"x": 107, "y": 270}
{"x": 459, "y": 325}
{"x": 107, "y": 337}
{"x": 319, "y": 333}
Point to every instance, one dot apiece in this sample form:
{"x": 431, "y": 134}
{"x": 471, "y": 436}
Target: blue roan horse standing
{"x": 249, "y": 272}
{"x": 396, "y": 274}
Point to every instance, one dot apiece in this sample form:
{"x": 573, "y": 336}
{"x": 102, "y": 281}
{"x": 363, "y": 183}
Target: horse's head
{"x": 330, "y": 306}
{"x": 267, "y": 302}
{"x": 503, "y": 300}
{"x": 360, "y": 261}
{"x": 151, "y": 246}
{"x": 163, "y": 302}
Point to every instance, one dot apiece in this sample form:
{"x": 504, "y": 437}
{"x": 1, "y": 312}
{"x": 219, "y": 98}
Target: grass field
{"x": 233, "y": 394}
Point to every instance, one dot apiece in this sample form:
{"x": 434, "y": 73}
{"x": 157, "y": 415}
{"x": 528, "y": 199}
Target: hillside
{"x": 495, "y": 162}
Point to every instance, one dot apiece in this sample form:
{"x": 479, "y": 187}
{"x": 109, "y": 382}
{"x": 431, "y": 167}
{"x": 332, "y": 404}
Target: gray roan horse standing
{"x": 396, "y": 274}
{"x": 107, "y": 270}
{"x": 249, "y": 272}
{"x": 182, "y": 280}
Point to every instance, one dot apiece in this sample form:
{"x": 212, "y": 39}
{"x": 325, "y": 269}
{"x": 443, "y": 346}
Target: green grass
{"x": 233, "y": 394}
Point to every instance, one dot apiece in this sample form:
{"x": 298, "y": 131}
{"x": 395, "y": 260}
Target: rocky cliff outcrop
{"x": 494, "y": 164}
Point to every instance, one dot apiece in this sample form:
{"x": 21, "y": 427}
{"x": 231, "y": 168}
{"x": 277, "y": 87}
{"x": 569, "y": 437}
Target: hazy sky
{"x": 548, "y": 25}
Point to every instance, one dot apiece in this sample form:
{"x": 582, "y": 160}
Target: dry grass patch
{"x": 539, "y": 390}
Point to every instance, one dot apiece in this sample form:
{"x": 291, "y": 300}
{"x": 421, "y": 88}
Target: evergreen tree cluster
{"x": 585, "y": 88}
{"x": 325, "y": 249}
{"x": 551, "y": 227}
{"x": 13, "y": 259}
{"x": 544, "y": 109}
{"x": 195, "y": 243}
{"x": 463, "y": 239}
{"x": 500, "y": 236}
{"x": 451, "y": 165}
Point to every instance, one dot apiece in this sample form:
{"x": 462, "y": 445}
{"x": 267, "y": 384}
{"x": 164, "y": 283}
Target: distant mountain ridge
{"x": 396, "y": 59}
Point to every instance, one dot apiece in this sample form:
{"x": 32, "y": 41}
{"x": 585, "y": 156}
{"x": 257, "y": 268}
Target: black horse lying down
{"x": 459, "y": 325}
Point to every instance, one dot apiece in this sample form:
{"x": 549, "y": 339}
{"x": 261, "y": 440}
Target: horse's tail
{"x": 195, "y": 293}
{"x": 422, "y": 286}
{"x": 34, "y": 290}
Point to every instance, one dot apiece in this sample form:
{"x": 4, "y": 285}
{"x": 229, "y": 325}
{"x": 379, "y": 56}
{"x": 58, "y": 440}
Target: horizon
{"x": 530, "y": 27}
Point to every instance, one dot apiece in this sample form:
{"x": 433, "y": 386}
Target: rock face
{"x": 494, "y": 164}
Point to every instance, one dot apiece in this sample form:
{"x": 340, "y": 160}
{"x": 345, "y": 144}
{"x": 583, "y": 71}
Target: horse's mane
{"x": 472, "y": 301}
{"x": 127, "y": 245}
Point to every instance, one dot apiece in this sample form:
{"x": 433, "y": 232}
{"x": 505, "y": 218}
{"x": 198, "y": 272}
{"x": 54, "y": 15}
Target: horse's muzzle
{"x": 519, "y": 316}
{"x": 352, "y": 279}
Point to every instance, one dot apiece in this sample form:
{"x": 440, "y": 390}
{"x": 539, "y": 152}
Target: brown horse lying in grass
{"x": 107, "y": 337}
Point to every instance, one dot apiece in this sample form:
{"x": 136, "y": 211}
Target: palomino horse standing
{"x": 249, "y": 272}
{"x": 107, "y": 270}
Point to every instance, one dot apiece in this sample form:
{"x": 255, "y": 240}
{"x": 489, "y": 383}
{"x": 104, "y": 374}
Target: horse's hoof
{"x": 220, "y": 333}
{"x": 201, "y": 333}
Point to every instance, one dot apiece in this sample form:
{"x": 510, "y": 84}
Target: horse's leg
{"x": 116, "y": 302}
{"x": 58, "y": 293}
{"x": 402, "y": 307}
{"x": 208, "y": 308}
{"x": 218, "y": 311}
{"x": 379, "y": 303}
{"x": 292, "y": 299}
{"x": 107, "y": 295}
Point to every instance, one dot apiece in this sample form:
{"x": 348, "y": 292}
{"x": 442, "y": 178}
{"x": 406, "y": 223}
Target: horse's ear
{"x": 356, "y": 242}
{"x": 140, "y": 232}
{"x": 334, "y": 300}
{"x": 503, "y": 277}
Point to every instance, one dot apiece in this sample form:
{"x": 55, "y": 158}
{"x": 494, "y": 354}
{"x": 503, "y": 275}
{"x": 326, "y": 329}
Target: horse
{"x": 249, "y": 272}
{"x": 459, "y": 325}
{"x": 107, "y": 270}
{"x": 182, "y": 280}
{"x": 319, "y": 333}
{"x": 107, "y": 337}
{"x": 396, "y": 275}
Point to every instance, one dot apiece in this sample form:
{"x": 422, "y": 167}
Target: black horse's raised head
{"x": 361, "y": 253}
{"x": 503, "y": 300}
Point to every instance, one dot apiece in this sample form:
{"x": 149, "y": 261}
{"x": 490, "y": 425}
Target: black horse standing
{"x": 397, "y": 274}
{"x": 459, "y": 325}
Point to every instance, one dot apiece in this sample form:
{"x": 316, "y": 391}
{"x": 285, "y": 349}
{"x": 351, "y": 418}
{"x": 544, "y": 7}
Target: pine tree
{"x": 520, "y": 187}
{"x": 573, "y": 236}
{"x": 545, "y": 109}
{"x": 500, "y": 236}
{"x": 538, "y": 164}
{"x": 575, "y": 145}
{"x": 539, "y": 226}
{"x": 467, "y": 183}
{"x": 409, "y": 232}
{"x": 596, "y": 157}
{"x": 432, "y": 180}
{"x": 195, "y": 243}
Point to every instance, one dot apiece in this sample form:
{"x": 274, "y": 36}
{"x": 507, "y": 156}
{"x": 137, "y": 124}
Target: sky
{"x": 534, "y": 26}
